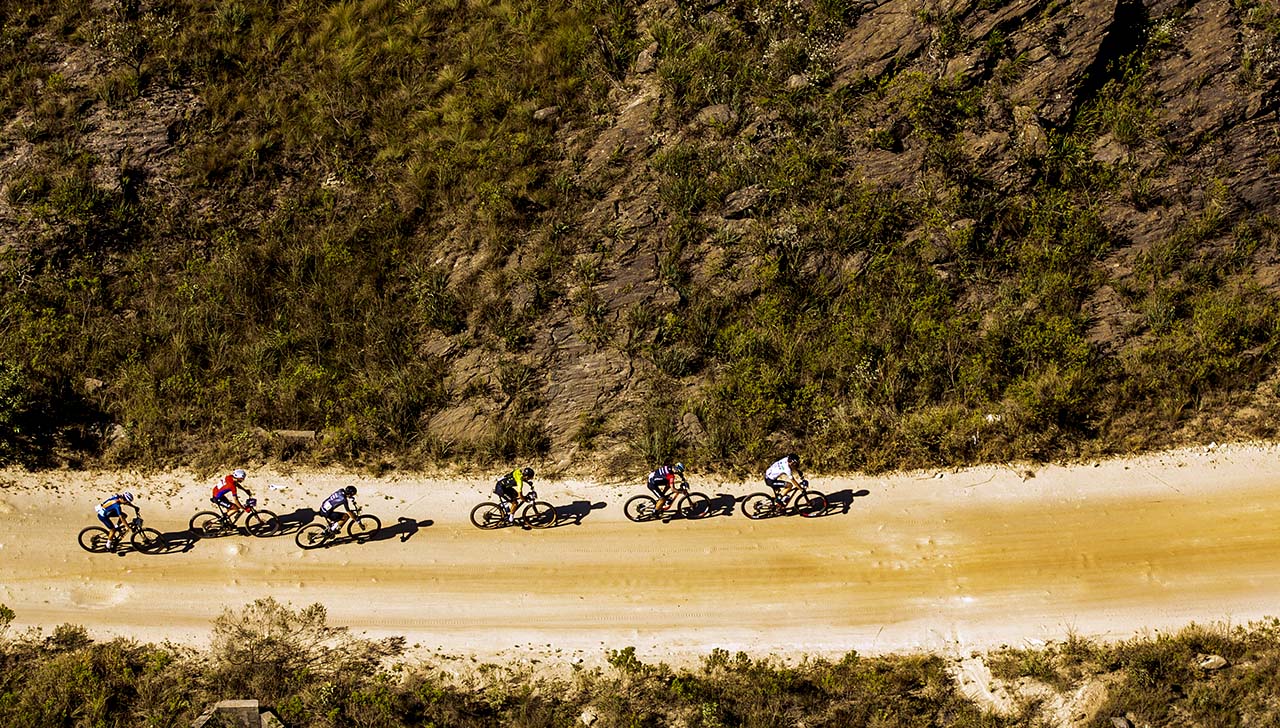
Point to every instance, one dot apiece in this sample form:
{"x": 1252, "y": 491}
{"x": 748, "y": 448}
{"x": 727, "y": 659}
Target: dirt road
{"x": 948, "y": 562}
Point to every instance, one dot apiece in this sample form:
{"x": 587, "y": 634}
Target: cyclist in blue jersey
{"x": 329, "y": 509}
{"x": 111, "y": 513}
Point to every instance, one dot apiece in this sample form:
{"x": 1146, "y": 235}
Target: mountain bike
{"x": 97, "y": 540}
{"x": 688, "y": 504}
{"x": 802, "y": 501}
{"x": 211, "y": 524}
{"x": 360, "y": 528}
{"x": 532, "y": 514}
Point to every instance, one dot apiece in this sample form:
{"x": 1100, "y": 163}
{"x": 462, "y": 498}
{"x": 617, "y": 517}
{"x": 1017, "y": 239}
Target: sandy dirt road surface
{"x": 948, "y": 562}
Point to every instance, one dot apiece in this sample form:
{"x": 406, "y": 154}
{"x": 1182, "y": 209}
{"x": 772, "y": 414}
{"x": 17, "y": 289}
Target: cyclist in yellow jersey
{"x": 510, "y": 489}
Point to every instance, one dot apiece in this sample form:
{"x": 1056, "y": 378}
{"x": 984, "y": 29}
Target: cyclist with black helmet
{"x": 785, "y": 472}
{"x": 113, "y": 508}
{"x": 510, "y": 487}
{"x": 329, "y": 509}
{"x": 228, "y": 490}
{"x": 663, "y": 484}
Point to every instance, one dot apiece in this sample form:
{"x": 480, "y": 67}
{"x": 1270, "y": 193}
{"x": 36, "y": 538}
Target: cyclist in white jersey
{"x": 785, "y": 472}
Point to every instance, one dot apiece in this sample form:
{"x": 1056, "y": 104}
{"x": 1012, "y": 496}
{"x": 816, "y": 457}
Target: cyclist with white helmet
{"x": 785, "y": 472}
{"x": 663, "y": 484}
{"x": 510, "y": 487}
{"x": 329, "y": 509}
{"x": 230, "y": 486}
{"x": 113, "y": 508}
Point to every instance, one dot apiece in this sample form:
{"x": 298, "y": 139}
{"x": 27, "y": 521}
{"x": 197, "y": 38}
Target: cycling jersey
{"x": 779, "y": 470}
{"x": 110, "y": 509}
{"x": 338, "y": 498}
{"x": 510, "y": 486}
{"x": 111, "y": 506}
{"x": 665, "y": 474}
{"x": 228, "y": 485}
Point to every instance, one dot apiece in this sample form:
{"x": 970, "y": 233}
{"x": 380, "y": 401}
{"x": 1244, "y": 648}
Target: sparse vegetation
{"x": 359, "y": 223}
{"x": 312, "y": 674}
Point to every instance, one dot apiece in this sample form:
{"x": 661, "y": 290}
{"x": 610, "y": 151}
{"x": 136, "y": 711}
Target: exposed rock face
{"x": 1201, "y": 142}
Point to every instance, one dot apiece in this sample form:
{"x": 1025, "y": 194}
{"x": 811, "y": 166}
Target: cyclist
{"x": 785, "y": 472}
{"x": 663, "y": 484}
{"x": 230, "y": 486}
{"x": 113, "y": 508}
{"x": 328, "y": 509}
{"x": 509, "y": 488}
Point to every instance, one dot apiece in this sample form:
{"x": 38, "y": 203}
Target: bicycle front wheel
{"x": 758, "y": 505}
{"x": 95, "y": 539}
{"x": 488, "y": 516}
{"x": 811, "y": 503}
{"x": 640, "y": 508}
{"x": 539, "y": 514}
{"x": 363, "y": 528}
{"x": 313, "y": 536}
{"x": 262, "y": 524}
{"x": 694, "y": 505}
{"x": 147, "y": 540}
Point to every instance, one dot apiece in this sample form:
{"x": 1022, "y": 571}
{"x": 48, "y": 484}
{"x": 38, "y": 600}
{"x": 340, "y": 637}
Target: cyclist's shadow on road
{"x": 293, "y": 522}
{"x": 721, "y": 505}
{"x": 841, "y": 501}
{"x": 575, "y": 512}
{"x": 403, "y": 529}
{"x": 176, "y": 542}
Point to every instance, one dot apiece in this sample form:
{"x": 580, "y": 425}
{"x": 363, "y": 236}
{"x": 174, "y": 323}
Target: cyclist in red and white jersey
{"x": 663, "y": 483}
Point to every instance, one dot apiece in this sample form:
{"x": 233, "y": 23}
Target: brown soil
{"x": 951, "y": 562}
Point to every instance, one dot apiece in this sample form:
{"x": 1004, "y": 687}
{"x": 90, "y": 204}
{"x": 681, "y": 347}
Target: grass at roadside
{"x": 313, "y": 674}
{"x": 359, "y": 196}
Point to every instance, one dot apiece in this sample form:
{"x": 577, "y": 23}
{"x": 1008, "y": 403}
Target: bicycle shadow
{"x": 841, "y": 501}
{"x": 722, "y": 505}
{"x": 293, "y": 522}
{"x": 175, "y": 542}
{"x": 575, "y": 512}
{"x": 404, "y": 530}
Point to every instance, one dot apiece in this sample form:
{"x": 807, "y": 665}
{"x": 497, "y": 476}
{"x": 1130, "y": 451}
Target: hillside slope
{"x": 593, "y": 232}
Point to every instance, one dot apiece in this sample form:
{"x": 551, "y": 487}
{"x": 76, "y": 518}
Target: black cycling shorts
{"x": 506, "y": 493}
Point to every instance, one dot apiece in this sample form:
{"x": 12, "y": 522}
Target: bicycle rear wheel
{"x": 262, "y": 524}
{"x": 759, "y": 505}
{"x": 811, "y": 503}
{"x": 640, "y": 508}
{"x": 207, "y": 524}
{"x": 363, "y": 528}
{"x": 539, "y": 514}
{"x": 488, "y": 516}
{"x": 694, "y": 505}
{"x": 313, "y": 536}
{"x": 94, "y": 539}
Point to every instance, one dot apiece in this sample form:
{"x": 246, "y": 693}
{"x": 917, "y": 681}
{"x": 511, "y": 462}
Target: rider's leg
{"x": 776, "y": 486}
{"x": 659, "y": 493}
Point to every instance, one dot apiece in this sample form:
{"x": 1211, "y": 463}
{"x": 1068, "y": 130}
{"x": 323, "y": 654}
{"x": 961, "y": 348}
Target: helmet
{"x": 680, "y": 468}
{"x": 527, "y": 472}
{"x": 128, "y": 497}
{"x": 793, "y": 458}
{"x": 350, "y": 490}
{"x": 238, "y": 474}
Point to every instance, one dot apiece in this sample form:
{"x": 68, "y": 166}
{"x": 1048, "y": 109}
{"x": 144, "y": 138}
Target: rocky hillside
{"x": 599, "y": 233}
